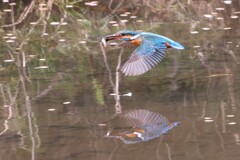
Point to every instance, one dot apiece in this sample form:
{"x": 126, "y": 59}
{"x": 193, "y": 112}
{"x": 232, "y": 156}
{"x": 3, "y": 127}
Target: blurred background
{"x": 57, "y": 82}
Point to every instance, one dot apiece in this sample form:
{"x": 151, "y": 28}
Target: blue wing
{"x": 146, "y": 56}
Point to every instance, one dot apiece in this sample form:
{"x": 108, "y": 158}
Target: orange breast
{"x": 136, "y": 42}
{"x": 130, "y": 135}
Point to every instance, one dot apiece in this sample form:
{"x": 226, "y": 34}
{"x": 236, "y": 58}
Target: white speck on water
{"x": 32, "y": 55}
{"x": 8, "y": 60}
{"x": 207, "y": 117}
{"x": 208, "y": 120}
{"x": 10, "y": 41}
{"x": 220, "y": 18}
{"x": 69, "y": 6}
{"x": 82, "y": 42}
{"x": 92, "y": 3}
{"x": 227, "y": 1}
{"x": 112, "y": 22}
{"x": 133, "y": 17}
{"x": 123, "y": 15}
{"x": 54, "y": 23}
{"x": 196, "y": 46}
{"x": 7, "y": 10}
{"x": 227, "y": 28}
{"x": 61, "y": 31}
{"x": 128, "y": 94}
{"x": 61, "y": 40}
{"x": 194, "y": 32}
{"x": 236, "y": 12}
{"x": 124, "y": 20}
{"x": 220, "y": 9}
{"x": 232, "y": 123}
{"x": 113, "y": 94}
{"x": 234, "y": 17}
{"x": 41, "y": 67}
{"x": 208, "y": 15}
{"x": 64, "y": 23}
{"x": 205, "y": 28}
{"x": 113, "y": 43}
{"x": 9, "y": 34}
{"x": 12, "y": 4}
{"x": 115, "y": 25}
{"x": 66, "y": 102}
{"x": 33, "y": 23}
{"x": 139, "y": 21}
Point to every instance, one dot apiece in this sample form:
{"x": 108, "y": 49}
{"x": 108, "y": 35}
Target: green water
{"x": 56, "y": 85}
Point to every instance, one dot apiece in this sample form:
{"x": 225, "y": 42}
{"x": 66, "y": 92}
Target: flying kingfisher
{"x": 146, "y": 126}
{"x": 151, "y": 49}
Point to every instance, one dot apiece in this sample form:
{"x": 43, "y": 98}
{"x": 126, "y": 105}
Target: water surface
{"x": 56, "y": 80}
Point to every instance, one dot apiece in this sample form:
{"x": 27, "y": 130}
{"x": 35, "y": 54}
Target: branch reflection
{"x": 116, "y": 94}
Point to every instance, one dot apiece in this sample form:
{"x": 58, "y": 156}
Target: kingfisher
{"x": 146, "y": 125}
{"x": 151, "y": 49}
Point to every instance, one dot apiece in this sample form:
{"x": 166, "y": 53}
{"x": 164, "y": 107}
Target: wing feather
{"x": 141, "y": 118}
{"x": 145, "y": 57}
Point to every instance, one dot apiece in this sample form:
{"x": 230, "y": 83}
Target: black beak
{"x": 107, "y": 38}
{"x": 111, "y": 37}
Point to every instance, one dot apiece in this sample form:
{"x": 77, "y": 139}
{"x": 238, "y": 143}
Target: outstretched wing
{"x": 154, "y": 124}
{"x": 141, "y": 118}
{"x": 146, "y": 56}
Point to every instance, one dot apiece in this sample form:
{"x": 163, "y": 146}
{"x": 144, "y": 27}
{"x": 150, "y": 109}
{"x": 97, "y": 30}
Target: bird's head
{"x": 123, "y": 35}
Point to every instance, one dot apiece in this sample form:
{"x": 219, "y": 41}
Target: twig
{"x": 169, "y": 152}
{"x": 107, "y": 66}
{"x": 23, "y": 16}
{"x": 158, "y": 148}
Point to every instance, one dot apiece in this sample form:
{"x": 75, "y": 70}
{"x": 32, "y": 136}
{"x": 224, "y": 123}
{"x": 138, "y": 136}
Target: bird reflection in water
{"x": 146, "y": 126}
